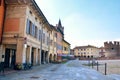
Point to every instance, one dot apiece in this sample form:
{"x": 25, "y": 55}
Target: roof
{"x": 66, "y": 42}
{"x": 88, "y": 46}
{"x": 59, "y": 23}
{"x": 53, "y": 27}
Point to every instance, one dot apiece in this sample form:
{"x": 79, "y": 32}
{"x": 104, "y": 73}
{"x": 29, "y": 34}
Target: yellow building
{"x": 86, "y": 51}
{"x": 53, "y": 41}
{"x": 66, "y": 47}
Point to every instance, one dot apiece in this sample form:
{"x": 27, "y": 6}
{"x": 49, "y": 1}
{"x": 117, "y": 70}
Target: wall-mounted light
{"x": 25, "y": 45}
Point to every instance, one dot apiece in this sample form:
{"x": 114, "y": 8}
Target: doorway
{"x": 10, "y": 58}
{"x": 32, "y": 56}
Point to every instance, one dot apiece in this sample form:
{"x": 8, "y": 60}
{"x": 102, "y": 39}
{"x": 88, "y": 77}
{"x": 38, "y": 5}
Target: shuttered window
{"x": 33, "y": 30}
{"x": 43, "y": 37}
{"x": 36, "y": 31}
{"x": 30, "y": 28}
{"x": 40, "y": 34}
{"x": 27, "y": 26}
{"x": 48, "y": 40}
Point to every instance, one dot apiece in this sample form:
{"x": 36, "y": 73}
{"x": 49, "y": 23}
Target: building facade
{"x": 86, "y": 51}
{"x": 53, "y": 46}
{"x": 66, "y": 47}
{"x": 72, "y": 51}
{"x": 60, "y": 36}
{"x": 102, "y": 52}
{"x": 26, "y": 34}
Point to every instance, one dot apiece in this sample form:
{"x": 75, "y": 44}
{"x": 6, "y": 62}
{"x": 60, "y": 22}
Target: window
{"x": 112, "y": 48}
{"x": 59, "y": 47}
{"x": 55, "y": 44}
{"x": 51, "y": 42}
{"x": 30, "y": 12}
{"x": 65, "y": 48}
{"x": 36, "y": 18}
{"x": 40, "y": 34}
{"x": 56, "y": 35}
{"x": 48, "y": 41}
{"x": 43, "y": 38}
{"x": 36, "y": 31}
{"x": 33, "y": 30}
{"x": 29, "y": 27}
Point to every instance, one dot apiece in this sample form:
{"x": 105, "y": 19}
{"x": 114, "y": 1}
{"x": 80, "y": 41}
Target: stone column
{"x": 1, "y": 53}
{"x": 27, "y": 54}
{"x": 24, "y": 54}
{"x": 30, "y": 49}
{"x": 44, "y": 57}
{"x": 19, "y": 52}
{"x": 39, "y": 57}
{"x": 34, "y": 56}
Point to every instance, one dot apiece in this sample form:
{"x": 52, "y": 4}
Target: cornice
{"x": 17, "y": 1}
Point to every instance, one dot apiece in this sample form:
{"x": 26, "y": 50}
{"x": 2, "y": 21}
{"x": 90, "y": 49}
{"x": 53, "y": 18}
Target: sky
{"x": 86, "y": 22}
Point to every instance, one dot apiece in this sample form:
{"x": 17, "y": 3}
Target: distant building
{"x": 112, "y": 48}
{"x": 102, "y": 52}
{"x": 53, "y": 46}
{"x": 60, "y": 37}
{"x": 86, "y": 51}
{"x": 72, "y": 51}
{"x": 66, "y": 47}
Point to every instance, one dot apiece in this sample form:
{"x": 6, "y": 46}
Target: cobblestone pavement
{"x": 71, "y": 70}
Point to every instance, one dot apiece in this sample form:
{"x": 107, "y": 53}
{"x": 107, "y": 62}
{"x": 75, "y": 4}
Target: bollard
{"x": 97, "y": 66}
{"x": 89, "y": 63}
{"x": 92, "y": 65}
{"x": 105, "y": 68}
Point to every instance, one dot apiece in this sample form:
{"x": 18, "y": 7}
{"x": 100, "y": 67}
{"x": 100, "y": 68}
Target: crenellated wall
{"x": 112, "y": 48}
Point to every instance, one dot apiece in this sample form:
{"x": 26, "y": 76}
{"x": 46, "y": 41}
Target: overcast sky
{"x": 85, "y": 21}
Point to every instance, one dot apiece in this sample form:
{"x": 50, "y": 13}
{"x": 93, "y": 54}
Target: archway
{"x": 50, "y": 58}
{"x": 55, "y": 57}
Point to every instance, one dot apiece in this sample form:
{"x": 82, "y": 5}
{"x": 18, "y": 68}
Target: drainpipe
{"x": 48, "y": 49}
{"x": 41, "y": 44}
